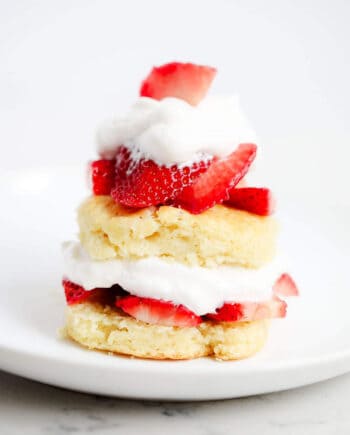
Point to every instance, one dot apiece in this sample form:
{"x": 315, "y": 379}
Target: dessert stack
{"x": 177, "y": 253}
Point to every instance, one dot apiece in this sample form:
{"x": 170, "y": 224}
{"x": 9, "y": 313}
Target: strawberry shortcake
{"x": 176, "y": 257}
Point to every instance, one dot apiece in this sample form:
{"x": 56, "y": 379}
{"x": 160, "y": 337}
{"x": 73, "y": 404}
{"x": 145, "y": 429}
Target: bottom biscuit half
{"x": 104, "y": 328}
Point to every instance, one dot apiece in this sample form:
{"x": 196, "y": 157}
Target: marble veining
{"x": 31, "y": 408}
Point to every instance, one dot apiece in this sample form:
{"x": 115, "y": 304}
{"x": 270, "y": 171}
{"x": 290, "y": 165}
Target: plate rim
{"x": 338, "y": 359}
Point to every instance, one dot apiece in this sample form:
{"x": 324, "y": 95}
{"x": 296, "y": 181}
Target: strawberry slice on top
{"x": 144, "y": 183}
{"x": 158, "y": 312}
{"x": 186, "y": 81}
{"x": 257, "y": 200}
{"x": 213, "y": 186}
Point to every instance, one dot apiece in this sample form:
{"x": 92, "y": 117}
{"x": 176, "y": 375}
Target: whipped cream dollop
{"x": 171, "y": 131}
{"x": 200, "y": 289}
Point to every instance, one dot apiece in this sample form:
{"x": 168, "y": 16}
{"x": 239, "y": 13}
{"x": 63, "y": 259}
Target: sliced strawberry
{"x": 103, "y": 176}
{"x": 285, "y": 286}
{"x": 187, "y": 81}
{"x": 213, "y": 186}
{"x": 257, "y": 200}
{"x": 249, "y": 311}
{"x": 231, "y": 312}
{"x": 272, "y": 309}
{"x": 144, "y": 183}
{"x": 158, "y": 312}
{"x": 74, "y": 292}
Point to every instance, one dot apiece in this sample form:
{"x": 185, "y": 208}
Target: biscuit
{"x": 221, "y": 235}
{"x": 106, "y": 328}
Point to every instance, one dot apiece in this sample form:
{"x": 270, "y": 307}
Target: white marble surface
{"x": 31, "y": 408}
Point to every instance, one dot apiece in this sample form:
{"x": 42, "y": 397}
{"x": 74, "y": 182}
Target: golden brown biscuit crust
{"x": 109, "y": 329}
{"x": 221, "y": 235}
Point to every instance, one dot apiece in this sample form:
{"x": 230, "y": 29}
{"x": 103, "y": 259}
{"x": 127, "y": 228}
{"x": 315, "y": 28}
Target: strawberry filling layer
{"x": 195, "y": 187}
{"x": 201, "y": 289}
{"x": 159, "y": 312}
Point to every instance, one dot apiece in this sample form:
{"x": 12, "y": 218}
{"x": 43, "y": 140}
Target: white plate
{"x": 312, "y": 344}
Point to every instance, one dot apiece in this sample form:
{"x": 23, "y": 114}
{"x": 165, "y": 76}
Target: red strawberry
{"x": 181, "y": 80}
{"x": 158, "y": 312}
{"x": 285, "y": 286}
{"x": 74, "y": 292}
{"x": 272, "y": 309}
{"x": 249, "y": 311}
{"x": 103, "y": 176}
{"x": 257, "y": 200}
{"x": 144, "y": 183}
{"x": 214, "y": 185}
{"x": 228, "y": 312}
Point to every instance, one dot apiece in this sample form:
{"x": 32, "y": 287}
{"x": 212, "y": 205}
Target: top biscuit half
{"x": 219, "y": 236}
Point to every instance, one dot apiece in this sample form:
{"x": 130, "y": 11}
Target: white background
{"x": 67, "y": 65}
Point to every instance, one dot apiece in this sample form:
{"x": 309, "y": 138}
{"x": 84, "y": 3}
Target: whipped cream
{"x": 171, "y": 131}
{"x": 200, "y": 289}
